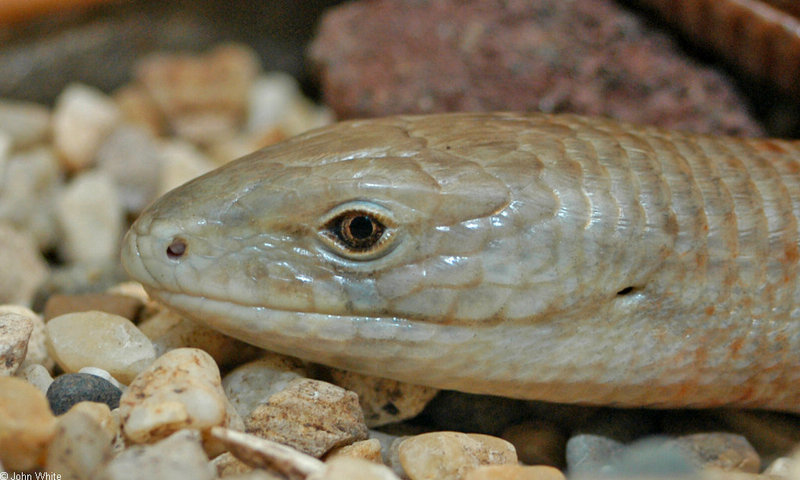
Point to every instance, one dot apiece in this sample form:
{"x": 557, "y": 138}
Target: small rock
{"x": 226, "y": 351}
{"x": 311, "y": 416}
{"x": 178, "y": 456}
{"x": 538, "y": 442}
{"x": 252, "y": 384}
{"x": 30, "y": 184}
{"x": 277, "y": 104}
{"x": 784, "y": 467}
{"x": 15, "y": 331}
{"x": 99, "y": 372}
{"x": 588, "y": 453}
{"x": 100, "y": 414}
{"x": 203, "y": 97}
{"x": 90, "y": 216}
{"x": 37, "y": 344}
{"x": 98, "y": 339}
{"x": 349, "y": 468}
{"x": 772, "y": 434}
{"x": 36, "y": 375}
{"x": 122, "y": 305}
{"x": 514, "y": 472}
{"x": 22, "y": 267}
{"x": 26, "y": 424}
{"x": 129, "y": 156}
{"x": 181, "y": 389}
{"x": 651, "y": 456}
{"x": 450, "y": 455}
{"x": 25, "y": 123}
{"x": 81, "y": 445}
{"x": 383, "y": 400}
{"x": 726, "y": 451}
{"x": 82, "y": 117}
{"x": 272, "y": 456}
{"x": 180, "y": 162}
{"x": 227, "y": 464}
{"x": 71, "y": 388}
{"x": 138, "y": 108}
{"x": 369, "y": 450}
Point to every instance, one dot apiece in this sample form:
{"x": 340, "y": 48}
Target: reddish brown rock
{"x": 385, "y": 57}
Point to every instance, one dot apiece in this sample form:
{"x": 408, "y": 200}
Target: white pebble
{"x": 36, "y": 375}
{"x": 180, "y": 162}
{"x": 91, "y": 217}
{"x": 100, "y": 339}
{"x": 22, "y": 267}
{"x": 83, "y": 116}
{"x": 24, "y": 123}
{"x": 178, "y": 456}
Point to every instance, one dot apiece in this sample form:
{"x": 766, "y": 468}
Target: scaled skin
{"x": 545, "y": 257}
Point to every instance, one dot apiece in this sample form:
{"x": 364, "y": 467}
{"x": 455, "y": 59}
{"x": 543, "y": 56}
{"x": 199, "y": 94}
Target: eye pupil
{"x": 176, "y": 249}
{"x": 361, "y": 227}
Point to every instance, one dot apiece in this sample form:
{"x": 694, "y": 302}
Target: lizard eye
{"x": 358, "y": 231}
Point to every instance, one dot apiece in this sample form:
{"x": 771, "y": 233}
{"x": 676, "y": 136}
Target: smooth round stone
{"x": 72, "y": 388}
{"x": 99, "y": 339}
{"x": 450, "y": 455}
{"x": 26, "y": 424}
{"x": 514, "y": 472}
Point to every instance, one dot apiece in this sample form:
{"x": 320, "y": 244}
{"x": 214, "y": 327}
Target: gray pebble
{"x": 72, "y": 388}
{"x": 591, "y": 454}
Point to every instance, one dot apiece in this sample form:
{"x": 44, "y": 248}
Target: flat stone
{"x": 82, "y": 117}
{"x": 349, "y": 468}
{"x": 72, "y": 388}
{"x": 117, "y": 304}
{"x": 450, "y": 455}
{"x": 80, "y": 447}
{"x": 181, "y": 389}
{"x": 90, "y": 216}
{"x": 31, "y": 180}
{"x": 383, "y": 400}
{"x": 15, "y": 331}
{"x": 130, "y": 157}
{"x": 538, "y": 442}
{"x": 311, "y": 416}
{"x": 25, "y": 123}
{"x": 26, "y": 425}
{"x": 180, "y": 455}
{"x": 22, "y": 267}
{"x": 98, "y": 339}
{"x": 514, "y": 472}
{"x": 251, "y": 384}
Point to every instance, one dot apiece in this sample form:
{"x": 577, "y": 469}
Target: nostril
{"x": 176, "y": 249}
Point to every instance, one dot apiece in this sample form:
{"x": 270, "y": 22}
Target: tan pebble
{"x": 25, "y": 123}
{"x": 538, "y": 442}
{"x": 157, "y": 323}
{"x": 311, "y": 416}
{"x": 82, "y": 117}
{"x": 514, "y": 472}
{"x": 98, "y": 339}
{"x": 226, "y": 351}
{"x": 252, "y": 384}
{"x": 225, "y": 150}
{"x": 784, "y": 466}
{"x": 22, "y": 267}
{"x": 726, "y": 451}
{"x": 227, "y": 464}
{"x": 31, "y": 180}
{"x": 37, "y": 344}
{"x": 369, "y": 449}
{"x": 82, "y": 444}
{"x": 90, "y": 216}
{"x": 26, "y": 424}
{"x": 178, "y": 456}
{"x": 122, "y": 305}
{"x": 267, "y": 454}
{"x": 256, "y": 474}
{"x": 130, "y": 289}
{"x": 130, "y": 157}
{"x": 181, "y": 389}
{"x": 180, "y": 162}
{"x": 138, "y": 108}
{"x": 99, "y": 413}
{"x": 15, "y": 331}
{"x": 384, "y": 401}
{"x": 350, "y": 468}
{"x": 450, "y": 455}
{"x": 36, "y": 375}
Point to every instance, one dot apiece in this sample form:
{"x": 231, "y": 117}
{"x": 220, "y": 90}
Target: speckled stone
{"x": 369, "y": 449}
{"x": 71, "y": 388}
{"x": 180, "y": 455}
{"x": 98, "y": 339}
{"x": 81, "y": 445}
{"x": 311, "y": 416}
{"x": 15, "y": 331}
{"x": 23, "y": 267}
{"x": 37, "y": 343}
{"x": 252, "y": 384}
{"x": 725, "y": 451}
{"x": 181, "y": 389}
{"x": 26, "y": 424}
{"x": 383, "y": 400}
{"x": 450, "y": 455}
